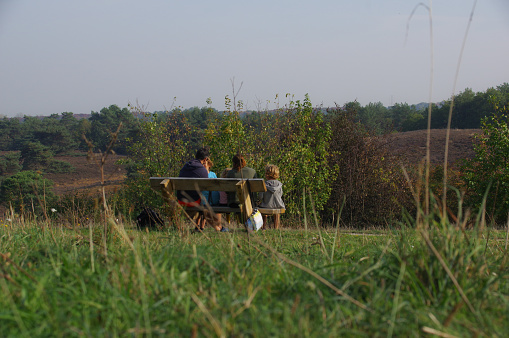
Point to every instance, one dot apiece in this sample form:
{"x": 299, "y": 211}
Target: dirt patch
{"x": 411, "y": 145}
{"x": 86, "y": 177}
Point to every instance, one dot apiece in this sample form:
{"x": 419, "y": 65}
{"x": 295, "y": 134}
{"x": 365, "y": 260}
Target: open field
{"x": 64, "y": 282}
{"x": 412, "y": 145}
{"x": 86, "y": 177}
{"x": 80, "y": 280}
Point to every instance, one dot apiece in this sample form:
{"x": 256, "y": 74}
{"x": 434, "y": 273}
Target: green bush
{"x": 370, "y": 180}
{"x": 488, "y": 172}
{"x": 326, "y": 154}
{"x": 35, "y": 155}
{"x": 60, "y": 167}
{"x": 161, "y": 149}
{"x": 27, "y": 191}
{"x": 10, "y": 163}
{"x": 295, "y": 138}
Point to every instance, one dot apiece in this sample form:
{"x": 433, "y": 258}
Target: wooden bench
{"x": 167, "y": 186}
{"x": 272, "y": 212}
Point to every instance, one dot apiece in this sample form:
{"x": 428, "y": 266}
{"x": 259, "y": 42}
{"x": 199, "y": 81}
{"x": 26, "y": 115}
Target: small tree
{"x": 370, "y": 187}
{"x": 27, "y": 191}
{"x": 226, "y": 136}
{"x": 35, "y": 156}
{"x": 161, "y": 148}
{"x": 488, "y": 171}
{"x": 10, "y": 163}
{"x": 304, "y": 156}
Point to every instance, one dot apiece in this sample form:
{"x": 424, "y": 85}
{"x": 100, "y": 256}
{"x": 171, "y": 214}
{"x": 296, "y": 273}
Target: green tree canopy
{"x": 35, "y": 155}
{"x": 27, "y": 191}
{"x": 106, "y": 122}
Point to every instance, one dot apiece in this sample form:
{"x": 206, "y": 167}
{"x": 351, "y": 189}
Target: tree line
{"x": 62, "y": 133}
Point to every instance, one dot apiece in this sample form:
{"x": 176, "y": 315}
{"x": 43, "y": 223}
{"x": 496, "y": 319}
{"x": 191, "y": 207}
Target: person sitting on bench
{"x": 239, "y": 170}
{"x": 272, "y": 198}
{"x": 195, "y": 169}
{"x": 189, "y": 198}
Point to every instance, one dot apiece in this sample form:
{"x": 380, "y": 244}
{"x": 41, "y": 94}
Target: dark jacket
{"x": 192, "y": 169}
{"x": 272, "y": 198}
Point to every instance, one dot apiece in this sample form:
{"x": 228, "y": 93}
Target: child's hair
{"x": 271, "y": 172}
{"x": 225, "y": 172}
{"x": 210, "y": 164}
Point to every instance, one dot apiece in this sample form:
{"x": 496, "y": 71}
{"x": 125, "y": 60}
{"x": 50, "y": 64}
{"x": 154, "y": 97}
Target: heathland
{"x": 378, "y": 239}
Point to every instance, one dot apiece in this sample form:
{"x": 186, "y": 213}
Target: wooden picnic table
{"x": 167, "y": 186}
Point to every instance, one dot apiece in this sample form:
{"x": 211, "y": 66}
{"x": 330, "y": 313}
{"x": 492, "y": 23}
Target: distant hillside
{"x": 411, "y": 145}
{"x": 421, "y": 105}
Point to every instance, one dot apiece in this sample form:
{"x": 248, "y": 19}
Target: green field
{"x": 301, "y": 282}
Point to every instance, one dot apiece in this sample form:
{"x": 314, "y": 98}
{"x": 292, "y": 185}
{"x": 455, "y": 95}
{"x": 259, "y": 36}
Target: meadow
{"x": 411, "y": 279}
{"x": 367, "y": 254}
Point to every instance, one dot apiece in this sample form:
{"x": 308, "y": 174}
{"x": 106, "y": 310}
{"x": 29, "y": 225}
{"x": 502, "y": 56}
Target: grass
{"x": 429, "y": 276}
{"x": 56, "y": 281}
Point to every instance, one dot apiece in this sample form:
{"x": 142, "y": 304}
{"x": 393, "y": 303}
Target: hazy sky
{"x": 82, "y": 55}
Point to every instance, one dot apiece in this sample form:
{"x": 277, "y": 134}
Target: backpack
{"x": 148, "y": 218}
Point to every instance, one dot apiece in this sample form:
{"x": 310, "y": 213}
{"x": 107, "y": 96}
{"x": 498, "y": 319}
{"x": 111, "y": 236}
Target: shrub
{"x": 10, "y": 163}
{"x": 488, "y": 172}
{"x": 370, "y": 179}
{"x": 59, "y": 167}
{"x": 35, "y": 155}
{"x": 161, "y": 149}
{"x": 295, "y": 138}
{"x": 27, "y": 191}
{"x": 303, "y": 156}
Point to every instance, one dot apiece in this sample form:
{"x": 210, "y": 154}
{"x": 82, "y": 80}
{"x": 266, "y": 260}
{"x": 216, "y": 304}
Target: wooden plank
{"x": 244, "y": 199}
{"x": 207, "y": 184}
{"x": 257, "y": 184}
{"x": 216, "y": 209}
{"x": 167, "y": 185}
{"x": 265, "y": 211}
{"x": 166, "y": 189}
{"x": 155, "y": 183}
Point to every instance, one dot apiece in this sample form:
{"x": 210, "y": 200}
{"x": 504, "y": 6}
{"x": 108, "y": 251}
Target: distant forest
{"x": 63, "y": 133}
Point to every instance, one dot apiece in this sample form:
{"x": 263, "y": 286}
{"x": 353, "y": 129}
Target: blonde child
{"x": 272, "y": 198}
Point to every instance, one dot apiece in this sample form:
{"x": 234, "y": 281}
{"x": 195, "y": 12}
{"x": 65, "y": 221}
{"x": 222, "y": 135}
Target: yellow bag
{"x": 255, "y": 221}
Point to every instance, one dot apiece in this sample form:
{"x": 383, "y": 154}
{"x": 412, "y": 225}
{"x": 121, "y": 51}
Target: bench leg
{"x": 265, "y": 219}
{"x": 276, "y": 221}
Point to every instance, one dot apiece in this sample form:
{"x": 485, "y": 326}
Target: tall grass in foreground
{"x": 444, "y": 280}
{"x": 429, "y": 275}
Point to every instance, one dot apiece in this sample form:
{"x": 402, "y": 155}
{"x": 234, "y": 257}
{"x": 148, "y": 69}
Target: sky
{"x": 81, "y": 56}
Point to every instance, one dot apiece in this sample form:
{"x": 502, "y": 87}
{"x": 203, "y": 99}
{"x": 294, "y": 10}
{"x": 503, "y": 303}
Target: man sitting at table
{"x": 193, "y": 169}
{"x": 191, "y": 198}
